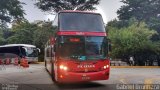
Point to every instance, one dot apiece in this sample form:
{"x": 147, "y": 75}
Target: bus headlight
{"x": 106, "y": 66}
{"x": 65, "y": 68}
{"x": 62, "y": 67}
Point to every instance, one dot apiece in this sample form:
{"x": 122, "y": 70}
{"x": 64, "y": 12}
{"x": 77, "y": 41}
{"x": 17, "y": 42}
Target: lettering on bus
{"x": 79, "y": 33}
{"x": 85, "y": 66}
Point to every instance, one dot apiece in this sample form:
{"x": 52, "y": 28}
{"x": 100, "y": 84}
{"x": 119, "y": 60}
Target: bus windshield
{"x": 81, "y": 22}
{"x": 82, "y": 48}
{"x": 31, "y": 52}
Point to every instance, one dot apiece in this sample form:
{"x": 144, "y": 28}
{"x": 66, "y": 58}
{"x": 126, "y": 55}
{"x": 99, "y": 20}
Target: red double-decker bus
{"x": 78, "y": 52}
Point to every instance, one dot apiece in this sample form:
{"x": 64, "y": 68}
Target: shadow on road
{"x": 77, "y": 86}
{"x": 85, "y": 85}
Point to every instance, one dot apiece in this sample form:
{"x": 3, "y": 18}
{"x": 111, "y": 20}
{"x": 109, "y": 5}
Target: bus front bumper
{"x": 70, "y": 77}
{"x": 32, "y": 59}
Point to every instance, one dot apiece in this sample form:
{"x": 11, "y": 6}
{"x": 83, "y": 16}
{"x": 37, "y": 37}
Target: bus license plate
{"x": 85, "y": 78}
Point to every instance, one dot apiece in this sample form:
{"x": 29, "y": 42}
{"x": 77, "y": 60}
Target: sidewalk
{"x": 135, "y": 66}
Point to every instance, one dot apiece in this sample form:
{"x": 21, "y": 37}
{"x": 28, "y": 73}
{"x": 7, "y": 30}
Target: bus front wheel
{"x": 52, "y": 73}
{"x": 45, "y": 63}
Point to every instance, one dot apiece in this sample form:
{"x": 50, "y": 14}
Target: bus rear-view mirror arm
{"x": 38, "y": 50}
{"x": 25, "y": 49}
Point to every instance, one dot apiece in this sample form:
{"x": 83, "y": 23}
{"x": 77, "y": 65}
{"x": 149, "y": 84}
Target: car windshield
{"x": 82, "y": 48}
{"x": 81, "y": 22}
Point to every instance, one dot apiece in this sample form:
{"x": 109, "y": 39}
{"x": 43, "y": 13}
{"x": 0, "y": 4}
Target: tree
{"x": 58, "y": 5}
{"x": 42, "y": 35}
{"x": 22, "y": 33}
{"x": 1, "y": 37}
{"x": 10, "y": 9}
{"x": 140, "y": 9}
{"x": 4, "y": 33}
{"x": 32, "y": 33}
{"x": 133, "y": 40}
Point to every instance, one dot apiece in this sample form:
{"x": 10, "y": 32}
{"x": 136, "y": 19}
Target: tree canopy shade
{"x": 10, "y": 9}
{"x": 58, "y": 5}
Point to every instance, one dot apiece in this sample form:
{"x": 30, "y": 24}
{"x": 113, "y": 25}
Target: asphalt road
{"x": 37, "y": 78}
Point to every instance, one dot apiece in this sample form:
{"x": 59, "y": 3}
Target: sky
{"x": 107, "y": 8}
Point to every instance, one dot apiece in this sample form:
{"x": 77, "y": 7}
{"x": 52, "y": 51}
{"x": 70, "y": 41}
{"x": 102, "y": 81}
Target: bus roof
{"x": 12, "y": 45}
{"x": 77, "y": 11}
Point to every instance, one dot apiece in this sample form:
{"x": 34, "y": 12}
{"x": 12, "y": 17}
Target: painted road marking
{"x": 123, "y": 81}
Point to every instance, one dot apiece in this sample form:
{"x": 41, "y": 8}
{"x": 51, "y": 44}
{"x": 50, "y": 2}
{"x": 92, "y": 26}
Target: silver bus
{"x": 30, "y": 52}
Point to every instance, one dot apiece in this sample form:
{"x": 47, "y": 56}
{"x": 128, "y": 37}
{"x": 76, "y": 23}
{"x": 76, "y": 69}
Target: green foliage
{"x": 41, "y": 36}
{"x": 121, "y": 23}
{"x": 1, "y": 37}
{"x": 140, "y": 9}
{"x": 132, "y": 39}
{"x": 10, "y": 9}
{"x": 23, "y": 33}
{"x": 29, "y": 33}
{"x": 4, "y": 33}
{"x": 58, "y": 5}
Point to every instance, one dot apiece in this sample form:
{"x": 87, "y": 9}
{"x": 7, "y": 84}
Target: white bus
{"x": 30, "y": 52}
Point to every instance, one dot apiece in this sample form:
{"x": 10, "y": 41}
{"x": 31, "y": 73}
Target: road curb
{"x": 40, "y": 62}
{"x": 37, "y": 63}
{"x": 135, "y": 66}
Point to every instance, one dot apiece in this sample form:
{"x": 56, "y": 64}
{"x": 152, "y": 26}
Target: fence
{"x": 119, "y": 62}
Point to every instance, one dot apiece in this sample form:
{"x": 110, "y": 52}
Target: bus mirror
{"x": 38, "y": 50}
{"x": 25, "y": 49}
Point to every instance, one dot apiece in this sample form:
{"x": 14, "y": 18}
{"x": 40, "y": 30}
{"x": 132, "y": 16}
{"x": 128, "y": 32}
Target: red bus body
{"x": 66, "y": 57}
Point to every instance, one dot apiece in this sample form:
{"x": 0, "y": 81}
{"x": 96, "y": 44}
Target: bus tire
{"x": 45, "y": 63}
